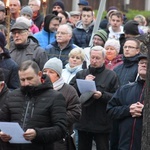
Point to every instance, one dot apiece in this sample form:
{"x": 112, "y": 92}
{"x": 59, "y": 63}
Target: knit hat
{"x": 83, "y": 2}
{"x": 110, "y": 10}
{"x": 54, "y": 64}
{"x": 131, "y": 27}
{"x": 114, "y": 43}
{"x": 2, "y": 77}
{"x": 27, "y": 11}
{"x": 2, "y": 40}
{"x": 102, "y": 34}
{"x": 59, "y": 3}
{"x": 47, "y": 21}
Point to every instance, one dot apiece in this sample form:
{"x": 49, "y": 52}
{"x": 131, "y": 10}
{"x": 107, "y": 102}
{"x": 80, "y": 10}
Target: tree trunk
{"x": 146, "y": 114}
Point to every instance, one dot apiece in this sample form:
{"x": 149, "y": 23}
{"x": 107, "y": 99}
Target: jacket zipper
{"x": 26, "y": 114}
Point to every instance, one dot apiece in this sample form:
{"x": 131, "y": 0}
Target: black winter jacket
{"x": 94, "y": 117}
{"x": 10, "y": 68}
{"x": 40, "y": 108}
{"x": 130, "y": 129}
{"x": 81, "y": 37}
{"x": 53, "y": 50}
{"x": 127, "y": 72}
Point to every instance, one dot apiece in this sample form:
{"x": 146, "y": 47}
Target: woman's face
{"x": 111, "y": 52}
{"x": 63, "y": 18}
{"x": 75, "y": 60}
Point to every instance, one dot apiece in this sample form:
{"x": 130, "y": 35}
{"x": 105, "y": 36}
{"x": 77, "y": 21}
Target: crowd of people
{"x": 43, "y": 57}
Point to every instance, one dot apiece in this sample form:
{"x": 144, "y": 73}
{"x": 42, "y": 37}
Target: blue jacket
{"x": 45, "y": 38}
{"x": 130, "y": 129}
{"x": 127, "y": 72}
{"x": 81, "y": 37}
{"x": 53, "y": 50}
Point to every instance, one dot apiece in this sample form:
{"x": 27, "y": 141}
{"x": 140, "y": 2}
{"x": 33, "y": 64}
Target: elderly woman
{"x": 76, "y": 58}
{"x": 113, "y": 58}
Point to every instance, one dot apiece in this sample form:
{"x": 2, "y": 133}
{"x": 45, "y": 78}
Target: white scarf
{"x": 57, "y": 85}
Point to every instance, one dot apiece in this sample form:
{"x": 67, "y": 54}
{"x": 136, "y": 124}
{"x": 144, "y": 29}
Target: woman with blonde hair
{"x": 76, "y": 58}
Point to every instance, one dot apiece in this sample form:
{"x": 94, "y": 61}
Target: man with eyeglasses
{"x": 25, "y": 47}
{"x": 37, "y": 16}
{"x": 127, "y": 73}
{"x": 63, "y": 44}
{"x": 94, "y": 123}
{"x": 126, "y": 106}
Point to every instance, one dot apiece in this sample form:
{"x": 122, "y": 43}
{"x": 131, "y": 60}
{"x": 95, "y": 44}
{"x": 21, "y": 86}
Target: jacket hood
{"x": 79, "y": 25}
{"x": 47, "y": 21}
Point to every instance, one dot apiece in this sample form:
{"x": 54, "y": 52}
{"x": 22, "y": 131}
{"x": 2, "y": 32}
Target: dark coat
{"x": 127, "y": 71}
{"x": 10, "y": 68}
{"x": 81, "y": 37}
{"x": 53, "y": 50}
{"x": 40, "y": 108}
{"x": 38, "y": 20}
{"x": 29, "y": 51}
{"x": 130, "y": 129}
{"x": 94, "y": 117}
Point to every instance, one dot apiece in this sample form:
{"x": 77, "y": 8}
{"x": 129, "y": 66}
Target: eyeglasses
{"x": 129, "y": 47}
{"x": 62, "y": 33}
{"x": 18, "y": 32}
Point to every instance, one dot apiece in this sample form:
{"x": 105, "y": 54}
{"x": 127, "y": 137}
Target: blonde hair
{"x": 77, "y": 51}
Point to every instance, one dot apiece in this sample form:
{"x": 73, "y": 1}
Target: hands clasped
{"x": 136, "y": 109}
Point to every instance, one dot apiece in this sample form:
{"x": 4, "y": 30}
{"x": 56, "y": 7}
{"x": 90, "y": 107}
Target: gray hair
{"x": 77, "y": 51}
{"x": 99, "y": 48}
{"x": 68, "y": 28}
{"x": 38, "y": 2}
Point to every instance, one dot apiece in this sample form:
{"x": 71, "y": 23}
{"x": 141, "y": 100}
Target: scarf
{"x": 57, "y": 85}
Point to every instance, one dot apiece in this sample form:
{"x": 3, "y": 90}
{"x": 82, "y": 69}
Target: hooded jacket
{"x": 81, "y": 36}
{"x": 40, "y": 108}
{"x": 45, "y": 36}
{"x": 28, "y": 51}
{"x": 10, "y": 68}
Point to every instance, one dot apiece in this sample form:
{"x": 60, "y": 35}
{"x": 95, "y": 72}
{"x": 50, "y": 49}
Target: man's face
{"x": 115, "y": 22}
{"x": 87, "y": 17}
{"x": 97, "y": 41}
{"x": 96, "y": 59}
{"x": 57, "y": 8}
{"x": 130, "y": 48}
{"x": 142, "y": 67}
{"x": 2, "y": 16}
{"x": 54, "y": 24}
{"x": 20, "y": 36}
{"x": 52, "y": 74}
{"x": 29, "y": 77}
{"x": 74, "y": 19}
{"x": 62, "y": 35}
{"x": 34, "y": 6}
{"x": 14, "y": 6}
